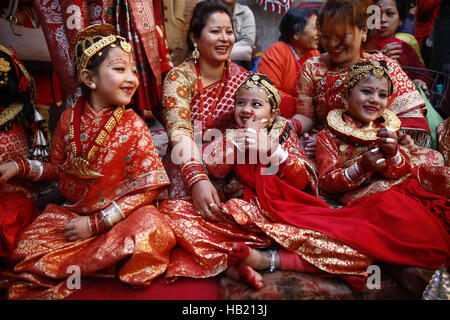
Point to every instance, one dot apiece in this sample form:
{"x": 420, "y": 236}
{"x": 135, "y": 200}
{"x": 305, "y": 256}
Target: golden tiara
{"x": 92, "y": 40}
{"x": 271, "y": 91}
{"x": 359, "y": 72}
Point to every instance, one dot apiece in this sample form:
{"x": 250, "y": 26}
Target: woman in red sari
{"x": 108, "y": 171}
{"x": 281, "y": 62}
{"x": 197, "y": 100}
{"x": 393, "y": 13}
{"x": 21, "y": 130}
{"x": 321, "y": 81}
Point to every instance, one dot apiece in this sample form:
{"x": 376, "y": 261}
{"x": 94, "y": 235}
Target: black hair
{"x": 294, "y": 21}
{"x": 202, "y": 11}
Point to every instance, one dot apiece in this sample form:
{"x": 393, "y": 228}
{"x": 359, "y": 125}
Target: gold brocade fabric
{"x": 138, "y": 247}
{"x": 203, "y": 246}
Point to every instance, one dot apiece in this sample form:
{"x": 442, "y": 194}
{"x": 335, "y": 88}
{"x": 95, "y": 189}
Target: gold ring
{"x": 199, "y": 212}
{"x": 212, "y": 204}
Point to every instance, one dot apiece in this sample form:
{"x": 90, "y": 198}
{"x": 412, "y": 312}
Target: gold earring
{"x": 195, "y": 53}
{"x": 364, "y": 38}
{"x": 346, "y": 106}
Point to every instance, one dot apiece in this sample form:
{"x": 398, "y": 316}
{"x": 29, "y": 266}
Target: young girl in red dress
{"x": 109, "y": 172}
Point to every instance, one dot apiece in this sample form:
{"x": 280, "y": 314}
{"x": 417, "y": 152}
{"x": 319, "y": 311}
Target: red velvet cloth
{"x": 183, "y": 289}
{"x": 404, "y": 225}
{"x": 16, "y": 212}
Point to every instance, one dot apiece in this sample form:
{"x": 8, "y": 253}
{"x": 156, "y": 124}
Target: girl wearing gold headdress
{"x": 108, "y": 171}
{"x": 22, "y": 138}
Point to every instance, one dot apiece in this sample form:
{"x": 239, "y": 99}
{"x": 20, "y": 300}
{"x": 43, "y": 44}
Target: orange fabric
{"x": 133, "y": 176}
{"x": 279, "y": 63}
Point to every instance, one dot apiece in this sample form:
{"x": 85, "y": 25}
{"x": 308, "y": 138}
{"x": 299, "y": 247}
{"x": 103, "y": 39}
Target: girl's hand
{"x": 7, "y": 171}
{"x": 387, "y": 141}
{"x": 309, "y": 145}
{"x": 373, "y": 160}
{"x": 408, "y": 142}
{"x": 206, "y": 200}
{"x": 77, "y": 229}
{"x": 392, "y": 50}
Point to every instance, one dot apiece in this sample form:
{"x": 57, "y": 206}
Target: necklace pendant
{"x": 80, "y": 169}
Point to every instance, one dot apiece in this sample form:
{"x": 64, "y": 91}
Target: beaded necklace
{"x": 80, "y": 164}
{"x": 209, "y": 111}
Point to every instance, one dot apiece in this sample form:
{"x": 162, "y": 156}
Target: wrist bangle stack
{"x": 111, "y": 215}
{"x": 352, "y": 173}
{"x": 193, "y": 172}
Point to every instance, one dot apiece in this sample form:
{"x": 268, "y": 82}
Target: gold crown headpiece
{"x": 26, "y": 81}
{"x": 92, "y": 40}
{"x": 362, "y": 70}
{"x": 273, "y": 95}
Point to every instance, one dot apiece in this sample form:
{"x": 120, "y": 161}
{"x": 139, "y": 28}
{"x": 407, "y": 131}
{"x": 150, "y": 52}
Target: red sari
{"x": 17, "y": 196}
{"x": 181, "y": 113}
{"x": 136, "y": 249}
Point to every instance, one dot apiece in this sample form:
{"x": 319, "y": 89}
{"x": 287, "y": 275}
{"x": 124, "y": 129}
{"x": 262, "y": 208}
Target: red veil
{"x": 404, "y": 225}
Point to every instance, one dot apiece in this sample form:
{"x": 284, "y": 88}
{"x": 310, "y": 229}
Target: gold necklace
{"x": 365, "y": 134}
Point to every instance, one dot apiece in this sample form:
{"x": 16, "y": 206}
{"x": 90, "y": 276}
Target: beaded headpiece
{"x": 262, "y": 82}
{"x": 26, "y": 81}
{"x": 92, "y": 40}
{"x": 363, "y": 70}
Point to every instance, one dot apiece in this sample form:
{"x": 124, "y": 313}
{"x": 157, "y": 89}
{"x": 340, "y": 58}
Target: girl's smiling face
{"x": 252, "y": 105}
{"x": 116, "y": 80}
{"x": 368, "y": 99}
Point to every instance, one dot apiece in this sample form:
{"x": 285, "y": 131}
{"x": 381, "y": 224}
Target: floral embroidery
{"x": 170, "y": 102}
{"x": 182, "y": 91}
{"x": 173, "y": 76}
{"x": 184, "y": 113}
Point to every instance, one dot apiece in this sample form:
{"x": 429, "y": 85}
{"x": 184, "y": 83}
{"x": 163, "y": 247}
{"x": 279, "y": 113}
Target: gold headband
{"x": 20, "y": 65}
{"x": 92, "y": 40}
{"x": 273, "y": 95}
{"x": 360, "y": 72}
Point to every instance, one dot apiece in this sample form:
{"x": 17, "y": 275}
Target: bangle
{"x": 36, "y": 169}
{"x": 352, "y": 173}
{"x": 271, "y": 253}
{"x": 24, "y": 168}
{"x": 111, "y": 215}
{"x": 395, "y": 160}
{"x": 193, "y": 172}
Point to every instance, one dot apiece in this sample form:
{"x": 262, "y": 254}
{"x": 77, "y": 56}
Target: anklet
{"x": 271, "y": 253}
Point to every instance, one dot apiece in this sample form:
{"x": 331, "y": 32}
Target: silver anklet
{"x": 271, "y": 253}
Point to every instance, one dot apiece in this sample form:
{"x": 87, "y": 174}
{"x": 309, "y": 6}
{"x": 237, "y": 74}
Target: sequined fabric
{"x": 203, "y": 246}
{"x": 133, "y": 176}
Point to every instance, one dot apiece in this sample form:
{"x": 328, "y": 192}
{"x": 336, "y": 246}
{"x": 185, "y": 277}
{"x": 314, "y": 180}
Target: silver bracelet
{"x": 353, "y": 172}
{"x": 36, "y": 169}
{"x": 112, "y": 214}
{"x": 271, "y": 253}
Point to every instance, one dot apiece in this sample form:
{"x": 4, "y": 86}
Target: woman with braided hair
{"x": 22, "y": 138}
{"x": 109, "y": 172}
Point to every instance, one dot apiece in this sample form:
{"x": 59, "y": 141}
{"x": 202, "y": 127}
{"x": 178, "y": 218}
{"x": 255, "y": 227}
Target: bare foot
{"x": 241, "y": 254}
{"x": 246, "y": 274}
